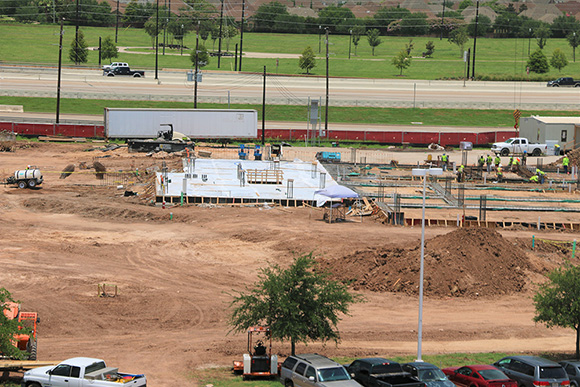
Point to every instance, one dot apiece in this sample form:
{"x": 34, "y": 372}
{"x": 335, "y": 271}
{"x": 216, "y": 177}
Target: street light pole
{"x": 319, "y": 35}
{"x": 117, "y": 23}
{"x": 196, "y": 66}
{"x": 157, "y": 42}
{"x": 529, "y": 40}
{"x": 475, "y": 40}
{"x": 182, "y": 39}
{"x": 424, "y": 173}
{"x": 349, "y": 44}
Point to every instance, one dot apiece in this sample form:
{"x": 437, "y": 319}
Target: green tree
{"x": 386, "y": 15}
{"x": 373, "y": 39}
{"x": 409, "y": 47}
{"x": 558, "y": 60}
{"x": 152, "y": 29}
{"x": 109, "y": 49}
{"x": 542, "y": 34}
{"x": 298, "y": 303}
{"x": 337, "y": 19}
{"x": 483, "y": 26}
{"x": 538, "y": 62}
{"x": 79, "y": 52}
{"x": 430, "y": 47}
{"x": 8, "y": 328}
{"x": 573, "y": 39}
{"x": 136, "y": 13}
{"x": 202, "y": 56}
{"x": 557, "y": 301}
{"x": 307, "y": 60}
{"x": 265, "y": 17}
{"x": 464, "y": 4}
{"x": 459, "y": 37}
{"x": 414, "y": 24}
{"x": 357, "y": 31}
{"x": 402, "y": 60}
{"x": 564, "y": 25}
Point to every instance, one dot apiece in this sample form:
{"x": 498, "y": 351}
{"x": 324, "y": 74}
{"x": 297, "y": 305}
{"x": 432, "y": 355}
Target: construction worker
{"x": 524, "y": 157}
{"x": 460, "y": 173}
{"x": 489, "y": 161}
{"x": 557, "y": 150}
{"x": 534, "y": 179}
{"x": 541, "y": 175}
{"x": 497, "y": 161}
{"x": 516, "y": 165}
{"x": 480, "y": 163}
{"x": 511, "y": 162}
{"x": 565, "y": 163}
{"x": 499, "y": 174}
{"x": 445, "y": 161}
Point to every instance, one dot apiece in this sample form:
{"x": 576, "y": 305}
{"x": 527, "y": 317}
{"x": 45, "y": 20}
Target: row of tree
{"x": 275, "y": 17}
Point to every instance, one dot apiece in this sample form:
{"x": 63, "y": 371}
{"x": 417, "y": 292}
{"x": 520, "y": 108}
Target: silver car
{"x": 313, "y": 370}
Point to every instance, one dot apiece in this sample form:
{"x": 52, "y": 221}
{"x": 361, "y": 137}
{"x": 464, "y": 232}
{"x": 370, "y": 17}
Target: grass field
{"x": 360, "y": 115}
{"x": 495, "y": 57}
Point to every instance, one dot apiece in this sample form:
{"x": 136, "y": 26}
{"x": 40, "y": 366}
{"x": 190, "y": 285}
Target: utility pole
{"x": 220, "y": 41}
{"x": 164, "y": 30}
{"x": 327, "y": 93}
{"x": 264, "y": 109}
{"x": 349, "y": 44}
{"x": 59, "y": 71}
{"x": 236, "y": 59}
{"x": 196, "y": 67}
{"x": 99, "y": 51}
{"x": 117, "y": 23}
{"x": 442, "y": 20}
{"x": 157, "y": 42}
{"x": 77, "y": 34}
{"x": 319, "y": 36}
{"x": 475, "y": 39}
{"x": 242, "y": 32}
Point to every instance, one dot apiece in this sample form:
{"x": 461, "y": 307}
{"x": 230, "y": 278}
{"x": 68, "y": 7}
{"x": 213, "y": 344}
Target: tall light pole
{"x": 157, "y": 42}
{"x": 475, "y": 39}
{"x": 349, "y": 44}
{"x": 529, "y": 40}
{"x": 442, "y": 20}
{"x": 423, "y": 173}
{"x": 59, "y": 72}
{"x": 242, "y": 32}
{"x": 196, "y": 66}
{"x": 117, "y": 23}
{"x": 221, "y": 34}
{"x": 327, "y": 88}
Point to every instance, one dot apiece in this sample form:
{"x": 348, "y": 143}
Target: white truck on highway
{"x": 518, "y": 145}
{"x": 80, "y": 372}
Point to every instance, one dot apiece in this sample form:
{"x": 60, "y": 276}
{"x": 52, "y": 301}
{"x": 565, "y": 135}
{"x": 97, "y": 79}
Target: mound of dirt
{"x": 466, "y": 262}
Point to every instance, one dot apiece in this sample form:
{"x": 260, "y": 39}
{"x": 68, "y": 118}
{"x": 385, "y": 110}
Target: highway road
{"x": 222, "y": 87}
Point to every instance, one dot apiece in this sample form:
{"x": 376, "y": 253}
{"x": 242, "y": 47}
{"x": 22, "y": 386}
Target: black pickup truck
{"x": 125, "y": 70}
{"x": 564, "y": 82}
{"x": 380, "y": 372}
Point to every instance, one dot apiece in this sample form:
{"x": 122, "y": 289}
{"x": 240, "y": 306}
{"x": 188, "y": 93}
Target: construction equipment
{"x": 259, "y": 361}
{"x": 23, "y": 341}
{"x": 26, "y": 178}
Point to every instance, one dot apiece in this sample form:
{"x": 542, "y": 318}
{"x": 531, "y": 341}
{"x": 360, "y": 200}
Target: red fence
{"x": 418, "y": 138}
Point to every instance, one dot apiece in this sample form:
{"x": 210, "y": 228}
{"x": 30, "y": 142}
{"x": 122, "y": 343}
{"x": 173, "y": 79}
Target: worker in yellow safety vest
{"x": 460, "y": 173}
{"x": 499, "y": 174}
{"x": 497, "y": 161}
{"x": 489, "y": 163}
{"x": 541, "y": 175}
{"x": 534, "y": 179}
{"x": 445, "y": 161}
{"x": 515, "y": 165}
{"x": 565, "y": 163}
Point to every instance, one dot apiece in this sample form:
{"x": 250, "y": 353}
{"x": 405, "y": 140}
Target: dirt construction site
{"x": 175, "y": 268}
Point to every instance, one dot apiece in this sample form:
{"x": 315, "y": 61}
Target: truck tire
{"x": 22, "y": 184}
{"x": 31, "y": 183}
{"x": 536, "y": 152}
{"x": 136, "y": 75}
{"x": 577, "y": 85}
{"x": 33, "y": 351}
{"x": 289, "y": 383}
{"x": 555, "y": 85}
{"x": 110, "y": 75}
{"x": 505, "y": 152}
{"x": 33, "y": 384}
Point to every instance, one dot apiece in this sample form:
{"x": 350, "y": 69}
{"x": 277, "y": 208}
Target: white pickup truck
{"x": 80, "y": 372}
{"x": 518, "y": 145}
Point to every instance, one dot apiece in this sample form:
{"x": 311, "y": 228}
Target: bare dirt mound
{"x": 465, "y": 262}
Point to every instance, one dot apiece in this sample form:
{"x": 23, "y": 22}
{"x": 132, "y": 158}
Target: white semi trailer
{"x": 193, "y": 123}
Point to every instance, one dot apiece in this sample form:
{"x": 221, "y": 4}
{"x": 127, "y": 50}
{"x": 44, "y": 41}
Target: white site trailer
{"x": 193, "y": 123}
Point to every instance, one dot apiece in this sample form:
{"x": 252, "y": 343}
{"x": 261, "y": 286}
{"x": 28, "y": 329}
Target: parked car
{"x": 381, "y": 372}
{"x": 533, "y": 371}
{"x": 564, "y": 82}
{"x": 314, "y": 370}
{"x": 519, "y": 145}
{"x": 481, "y": 375}
{"x": 428, "y": 373}
{"x": 572, "y": 368}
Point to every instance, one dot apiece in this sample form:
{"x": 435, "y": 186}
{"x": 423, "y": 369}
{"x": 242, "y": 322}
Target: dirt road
{"x": 175, "y": 277}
